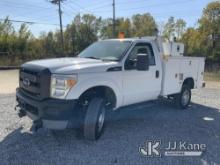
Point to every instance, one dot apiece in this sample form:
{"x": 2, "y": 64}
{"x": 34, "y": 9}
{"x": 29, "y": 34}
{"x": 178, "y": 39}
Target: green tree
{"x": 209, "y": 27}
{"x": 49, "y": 44}
{"x": 139, "y": 25}
{"x": 7, "y": 36}
{"x": 106, "y": 29}
{"x": 193, "y": 42}
{"x": 180, "y": 26}
{"x": 205, "y": 39}
{"x": 22, "y": 40}
{"x": 70, "y": 39}
{"x": 122, "y": 25}
{"x": 125, "y": 26}
{"x": 169, "y": 29}
{"x": 81, "y": 33}
{"x": 143, "y": 25}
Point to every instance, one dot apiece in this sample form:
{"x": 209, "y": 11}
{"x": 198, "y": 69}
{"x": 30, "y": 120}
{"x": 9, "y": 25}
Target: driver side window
{"x": 142, "y": 48}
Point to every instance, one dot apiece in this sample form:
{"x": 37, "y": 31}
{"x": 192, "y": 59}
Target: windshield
{"x": 106, "y": 50}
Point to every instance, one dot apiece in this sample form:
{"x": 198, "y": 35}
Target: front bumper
{"x": 53, "y": 113}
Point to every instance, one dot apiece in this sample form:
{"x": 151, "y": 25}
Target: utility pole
{"x": 113, "y": 20}
{"x": 58, "y": 2}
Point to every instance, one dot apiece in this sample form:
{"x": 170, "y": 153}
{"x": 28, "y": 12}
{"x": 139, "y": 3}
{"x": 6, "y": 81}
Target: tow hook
{"x": 17, "y": 107}
{"x": 37, "y": 124}
{"x": 21, "y": 113}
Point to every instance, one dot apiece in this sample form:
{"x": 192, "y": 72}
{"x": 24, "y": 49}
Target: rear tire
{"x": 182, "y": 100}
{"x": 94, "y": 122}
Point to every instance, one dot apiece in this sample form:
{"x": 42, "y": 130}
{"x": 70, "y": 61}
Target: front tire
{"x": 182, "y": 100}
{"x": 94, "y": 122}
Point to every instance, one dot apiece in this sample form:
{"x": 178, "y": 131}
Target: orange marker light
{"x": 71, "y": 83}
{"x": 121, "y": 35}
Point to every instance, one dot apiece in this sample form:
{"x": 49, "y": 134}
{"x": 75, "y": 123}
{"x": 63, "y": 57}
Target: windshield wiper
{"x": 103, "y": 59}
{"x": 91, "y": 57}
{"x": 109, "y": 60}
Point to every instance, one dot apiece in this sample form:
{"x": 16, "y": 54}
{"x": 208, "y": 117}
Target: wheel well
{"x": 99, "y": 91}
{"x": 189, "y": 82}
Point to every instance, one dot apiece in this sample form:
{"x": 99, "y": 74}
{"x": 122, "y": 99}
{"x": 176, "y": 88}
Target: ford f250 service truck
{"x": 76, "y": 92}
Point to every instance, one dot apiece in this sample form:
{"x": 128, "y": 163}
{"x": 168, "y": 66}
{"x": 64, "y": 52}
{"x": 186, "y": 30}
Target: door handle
{"x": 157, "y": 74}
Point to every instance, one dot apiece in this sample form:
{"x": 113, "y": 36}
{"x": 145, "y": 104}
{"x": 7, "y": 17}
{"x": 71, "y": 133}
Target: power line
{"x": 144, "y": 7}
{"x": 45, "y": 17}
{"x": 98, "y": 3}
{"x": 126, "y": 2}
{"x": 34, "y": 18}
{"x": 101, "y": 6}
{"x": 73, "y": 9}
{"x": 177, "y": 13}
{"x": 70, "y": 15}
{"x": 70, "y": 8}
{"x": 159, "y": 5}
{"x": 18, "y": 5}
{"x": 81, "y": 7}
{"x": 28, "y": 22}
{"x": 27, "y": 12}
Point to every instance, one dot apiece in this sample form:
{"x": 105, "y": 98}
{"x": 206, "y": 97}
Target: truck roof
{"x": 135, "y": 39}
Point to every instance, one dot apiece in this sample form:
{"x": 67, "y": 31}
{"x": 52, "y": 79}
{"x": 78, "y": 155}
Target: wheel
{"x": 183, "y": 99}
{"x": 94, "y": 122}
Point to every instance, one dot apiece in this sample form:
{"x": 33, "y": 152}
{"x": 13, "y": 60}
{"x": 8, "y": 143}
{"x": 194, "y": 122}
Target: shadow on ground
{"x": 125, "y": 133}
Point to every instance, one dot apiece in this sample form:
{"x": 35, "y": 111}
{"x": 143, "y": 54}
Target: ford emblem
{"x": 26, "y": 82}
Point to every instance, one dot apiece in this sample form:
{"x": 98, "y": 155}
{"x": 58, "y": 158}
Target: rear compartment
{"x": 177, "y": 68}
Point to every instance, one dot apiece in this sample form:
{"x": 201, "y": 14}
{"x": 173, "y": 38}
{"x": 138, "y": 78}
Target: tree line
{"x": 17, "y": 46}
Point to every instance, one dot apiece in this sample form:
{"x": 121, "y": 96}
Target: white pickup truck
{"x": 76, "y": 92}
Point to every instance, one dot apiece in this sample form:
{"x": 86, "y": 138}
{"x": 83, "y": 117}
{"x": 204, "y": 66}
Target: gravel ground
{"x": 123, "y": 136}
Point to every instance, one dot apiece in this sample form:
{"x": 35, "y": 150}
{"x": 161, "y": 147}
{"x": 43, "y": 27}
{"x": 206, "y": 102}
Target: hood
{"x": 73, "y": 65}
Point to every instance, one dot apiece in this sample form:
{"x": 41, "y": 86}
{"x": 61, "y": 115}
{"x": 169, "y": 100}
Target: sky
{"x": 46, "y": 17}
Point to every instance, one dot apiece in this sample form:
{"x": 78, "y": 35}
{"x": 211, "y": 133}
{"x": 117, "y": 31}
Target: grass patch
{"x": 212, "y": 76}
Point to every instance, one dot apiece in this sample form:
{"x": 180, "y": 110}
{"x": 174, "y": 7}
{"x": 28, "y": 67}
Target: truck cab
{"x": 79, "y": 91}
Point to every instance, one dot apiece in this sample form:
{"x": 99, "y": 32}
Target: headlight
{"x": 61, "y": 84}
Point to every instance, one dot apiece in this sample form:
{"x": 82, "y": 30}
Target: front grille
{"x": 35, "y": 81}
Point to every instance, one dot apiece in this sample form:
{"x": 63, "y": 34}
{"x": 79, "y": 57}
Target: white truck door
{"x": 141, "y": 86}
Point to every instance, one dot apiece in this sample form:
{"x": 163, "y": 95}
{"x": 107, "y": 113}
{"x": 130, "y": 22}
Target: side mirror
{"x": 142, "y": 62}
